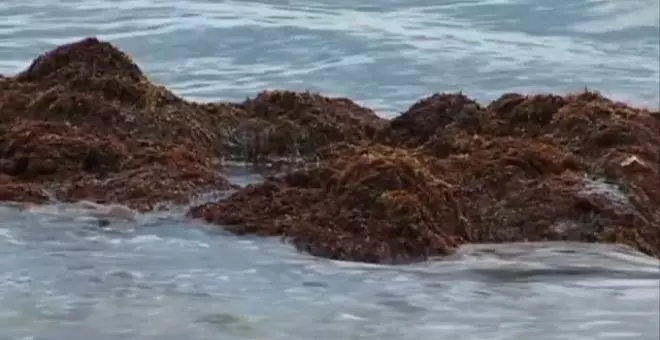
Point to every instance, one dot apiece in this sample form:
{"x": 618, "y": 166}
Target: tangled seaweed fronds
{"x": 84, "y": 121}
{"x": 515, "y": 170}
{"x": 89, "y": 55}
{"x": 376, "y": 204}
{"x": 428, "y": 117}
{"x": 10, "y": 191}
{"x": 84, "y": 116}
{"x": 293, "y": 127}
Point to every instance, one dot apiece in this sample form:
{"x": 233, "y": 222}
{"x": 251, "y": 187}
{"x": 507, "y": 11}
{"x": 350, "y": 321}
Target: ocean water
{"x": 162, "y": 276}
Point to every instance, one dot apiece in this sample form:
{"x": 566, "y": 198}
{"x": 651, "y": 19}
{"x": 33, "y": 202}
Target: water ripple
{"x": 384, "y": 54}
{"x": 63, "y": 276}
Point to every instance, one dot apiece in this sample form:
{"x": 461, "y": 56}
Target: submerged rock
{"x": 520, "y": 169}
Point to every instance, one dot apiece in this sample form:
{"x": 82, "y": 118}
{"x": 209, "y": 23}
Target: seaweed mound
{"x": 429, "y": 117}
{"x": 84, "y": 122}
{"x": 286, "y": 124}
{"x": 372, "y": 204}
{"x": 578, "y": 167}
{"x": 95, "y": 86}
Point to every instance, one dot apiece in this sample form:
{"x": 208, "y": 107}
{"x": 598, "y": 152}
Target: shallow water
{"x": 165, "y": 277}
{"x": 162, "y": 276}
